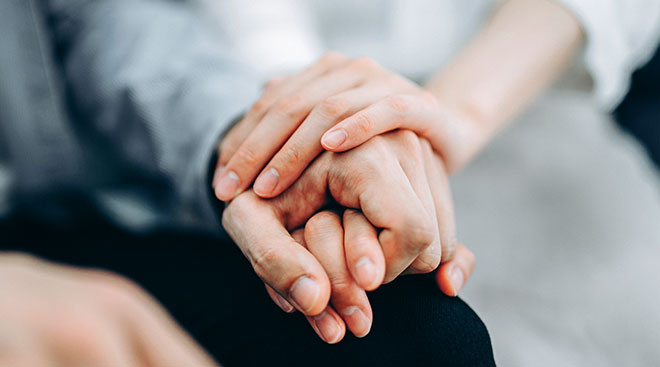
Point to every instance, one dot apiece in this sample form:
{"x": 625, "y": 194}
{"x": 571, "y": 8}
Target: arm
{"x": 156, "y": 90}
{"x": 525, "y": 46}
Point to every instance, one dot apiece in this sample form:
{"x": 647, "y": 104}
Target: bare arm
{"x": 524, "y": 47}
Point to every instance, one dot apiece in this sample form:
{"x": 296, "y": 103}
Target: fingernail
{"x": 304, "y": 294}
{"x": 327, "y": 327}
{"x": 284, "y": 304}
{"x": 358, "y": 321}
{"x": 456, "y": 278}
{"x": 216, "y": 176}
{"x": 266, "y": 182}
{"x": 365, "y": 271}
{"x": 227, "y": 186}
{"x": 334, "y": 139}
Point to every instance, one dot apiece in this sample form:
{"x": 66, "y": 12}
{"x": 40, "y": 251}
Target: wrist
{"x": 461, "y": 132}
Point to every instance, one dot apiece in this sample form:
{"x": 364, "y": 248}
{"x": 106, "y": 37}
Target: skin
{"x": 62, "y": 316}
{"x": 340, "y": 104}
{"x": 329, "y": 259}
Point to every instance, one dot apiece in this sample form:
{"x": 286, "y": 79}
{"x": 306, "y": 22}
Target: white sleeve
{"x": 621, "y": 36}
{"x": 273, "y": 37}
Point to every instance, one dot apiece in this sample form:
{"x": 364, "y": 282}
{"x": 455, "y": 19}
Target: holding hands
{"x": 398, "y": 217}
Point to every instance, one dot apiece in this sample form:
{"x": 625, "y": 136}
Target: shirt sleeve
{"x": 621, "y": 35}
{"x": 158, "y": 88}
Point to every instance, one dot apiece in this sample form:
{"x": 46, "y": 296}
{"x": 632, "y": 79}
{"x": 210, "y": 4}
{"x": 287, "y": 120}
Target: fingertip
{"x": 227, "y": 185}
{"x": 334, "y": 139}
{"x": 282, "y": 303}
{"x": 266, "y": 183}
{"x": 443, "y": 283}
{"x": 357, "y": 321}
{"x": 450, "y": 279}
{"x": 366, "y": 273}
{"x": 309, "y": 296}
{"x": 216, "y": 176}
{"x": 328, "y": 325}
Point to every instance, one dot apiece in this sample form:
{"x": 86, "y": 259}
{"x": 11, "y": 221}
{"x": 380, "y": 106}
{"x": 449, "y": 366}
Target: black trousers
{"x": 210, "y": 289}
{"x": 639, "y": 112}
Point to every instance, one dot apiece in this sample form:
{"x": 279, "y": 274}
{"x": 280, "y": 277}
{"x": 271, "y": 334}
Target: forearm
{"x": 520, "y": 52}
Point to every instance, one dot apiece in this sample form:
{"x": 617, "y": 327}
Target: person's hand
{"x": 286, "y": 129}
{"x": 325, "y": 237}
{"x": 51, "y": 315}
{"x": 415, "y": 218}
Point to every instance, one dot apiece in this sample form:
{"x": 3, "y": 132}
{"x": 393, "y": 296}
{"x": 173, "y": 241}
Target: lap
{"x": 212, "y": 291}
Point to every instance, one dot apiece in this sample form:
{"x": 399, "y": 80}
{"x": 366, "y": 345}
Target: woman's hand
{"x": 282, "y": 133}
{"x": 53, "y": 315}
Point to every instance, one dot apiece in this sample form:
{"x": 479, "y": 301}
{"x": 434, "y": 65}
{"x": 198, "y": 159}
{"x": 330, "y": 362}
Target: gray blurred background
{"x": 563, "y": 211}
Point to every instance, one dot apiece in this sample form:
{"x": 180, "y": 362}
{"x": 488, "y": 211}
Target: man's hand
{"x": 324, "y": 237}
{"x": 388, "y": 180}
{"x": 51, "y": 315}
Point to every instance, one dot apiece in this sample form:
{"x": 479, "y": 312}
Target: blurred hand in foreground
{"x": 52, "y": 315}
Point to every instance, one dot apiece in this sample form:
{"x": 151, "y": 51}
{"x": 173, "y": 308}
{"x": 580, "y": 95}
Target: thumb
{"x": 452, "y": 275}
{"x": 280, "y": 261}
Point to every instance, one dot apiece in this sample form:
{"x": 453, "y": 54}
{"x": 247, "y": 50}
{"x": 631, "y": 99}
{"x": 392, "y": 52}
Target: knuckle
{"x": 399, "y": 103}
{"x": 261, "y": 105}
{"x": 426, "y": 146}
{"x": 240, "y": 207}
{"x": 427, "y": 262}
{"x": 411, "y": 143}
{"x": 291, "y": 106}
{"x": 371, "y": 161}
{"x": 231, "y": 140}
{"x": 409, "y": 137}
{"x": 334, "y": 107}
{"x": 319, "y": 222}
{"x": 428, "y": 98}
{"x": 263, "y": 260}
{"x": 272, "y": 83}
{"x": 114, "y": 281}
{"x": 79, "y": 330}
{"x": 364, "y": 64}
{"x": 290, "y": 154}
{"x": 247, "y": 155}
{"x": 375, "y": 152}
{"x": 360, "y": 239}
{"x": 421, "y": 234}
{"x": 364, "y": 123}
{"x": 341, "y": 283}
{"x": 116, "y": 292}
{"x": 331, "y": 58}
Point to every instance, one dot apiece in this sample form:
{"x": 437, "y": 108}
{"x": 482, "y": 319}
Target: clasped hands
{"x": 347, "y": 132}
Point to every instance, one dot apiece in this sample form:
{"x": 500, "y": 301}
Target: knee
{"x": 421, "y": 326}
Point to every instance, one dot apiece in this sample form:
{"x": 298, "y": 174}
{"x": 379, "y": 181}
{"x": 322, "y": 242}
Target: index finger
{"x": 276, "y": 257}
